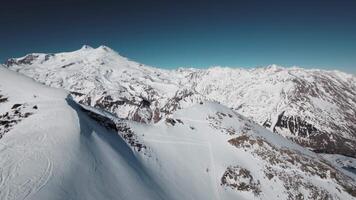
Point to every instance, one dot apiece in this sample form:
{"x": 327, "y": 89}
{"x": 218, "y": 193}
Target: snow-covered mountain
{"x": 55, "y": 148}
{"x": 314, "y": 108}
{"x": 103, "y": 79}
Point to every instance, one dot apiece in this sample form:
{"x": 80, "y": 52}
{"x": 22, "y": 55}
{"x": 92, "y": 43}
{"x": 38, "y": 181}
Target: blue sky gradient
{"x": 170, "y": 34}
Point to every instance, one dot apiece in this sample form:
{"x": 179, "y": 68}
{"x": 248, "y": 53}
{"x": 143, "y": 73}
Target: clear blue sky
{"x": 171, "y": 34}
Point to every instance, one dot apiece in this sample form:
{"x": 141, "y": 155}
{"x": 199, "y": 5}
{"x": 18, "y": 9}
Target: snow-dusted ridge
{"x": 65, "y": 150}
{"x": 315, "y": 108}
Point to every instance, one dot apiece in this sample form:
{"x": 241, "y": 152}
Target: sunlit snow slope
{"x": 59, "y": 153}
{"x": 64, "y": 150}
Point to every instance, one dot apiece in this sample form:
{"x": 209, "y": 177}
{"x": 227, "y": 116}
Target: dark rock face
{"x": 171, "y": 121}
{"x": 107, "y": 102}
{"x": 67, "y": 65}
{"x": 121, "y": 127}
{"x": 144, "y": 113}
{"x": 3, "y": 99}
{"x": 130, "y": 136}
{"x": 76, "y": 93}
{"x": 27, "y": 60}
{"x": 16, "y": 106}
{"x": 48, "y": 56}
{"x": 309, "y": 136}
{"x": 295, "y": 125}
{"x": 145, "y": 103}
{"x": 150, "y": 110}
{"x": 267, "y": 123}
{"x": 326, "y": 143}
{"x": 240, "y": 179}
{"x": 9, "y": 119}
{"x": 173, "y": 103}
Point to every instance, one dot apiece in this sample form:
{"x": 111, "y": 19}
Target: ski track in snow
{"x": 46, "y": 177}
{"x": 11, "y": 173}
{"x": 21, "y": 181}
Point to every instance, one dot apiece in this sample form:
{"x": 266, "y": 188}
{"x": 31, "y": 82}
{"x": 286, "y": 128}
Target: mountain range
{"x": 92, "y": 124}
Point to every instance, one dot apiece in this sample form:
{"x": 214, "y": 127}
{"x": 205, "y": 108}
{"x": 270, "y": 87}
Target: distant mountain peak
{"x": 101, "y": 47}
{"x": 274, "y": 66}
{"x": 86, "y": 47}
{"x": 106, "y": 48}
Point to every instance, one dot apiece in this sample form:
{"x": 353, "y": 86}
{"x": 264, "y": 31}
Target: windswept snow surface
{"x": 64, "y": 150}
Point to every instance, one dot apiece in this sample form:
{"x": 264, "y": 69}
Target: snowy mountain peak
{"x": 103, "y": 47}
{"x": 274, "y": 66}
{"x": 86, "y": 47}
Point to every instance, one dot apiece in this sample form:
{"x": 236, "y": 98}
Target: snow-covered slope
{"x": 63, "y": 150}
{"x": 57, "y": 152}
{"x": 315, "y": 108}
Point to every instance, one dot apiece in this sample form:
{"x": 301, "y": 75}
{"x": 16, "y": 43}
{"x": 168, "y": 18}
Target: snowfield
{"x": 199, "y": 150}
